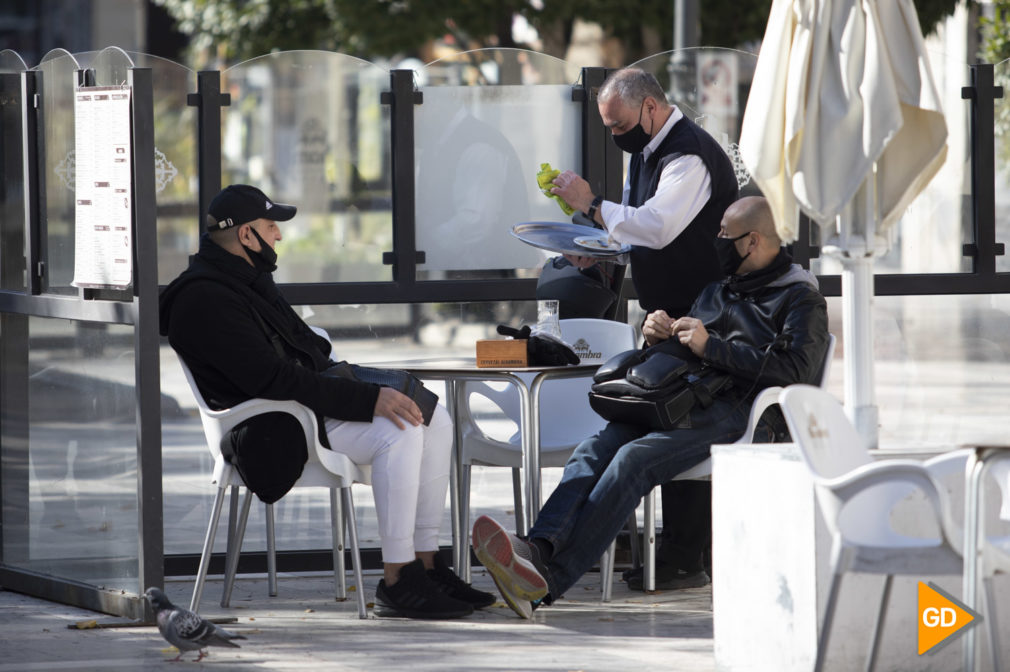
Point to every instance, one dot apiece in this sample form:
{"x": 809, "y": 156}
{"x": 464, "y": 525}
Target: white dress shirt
{"x": 684, "y": 187}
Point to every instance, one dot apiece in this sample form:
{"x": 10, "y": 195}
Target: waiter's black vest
{"x": 670, "y": 278}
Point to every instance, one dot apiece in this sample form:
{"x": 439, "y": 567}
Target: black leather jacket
{"x": 787, "y": 313}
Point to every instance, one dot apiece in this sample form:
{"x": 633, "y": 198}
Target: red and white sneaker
{"x": 510, "y": 561}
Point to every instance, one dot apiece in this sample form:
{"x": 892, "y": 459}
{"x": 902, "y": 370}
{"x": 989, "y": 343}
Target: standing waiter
{"x": 680, "y": 183}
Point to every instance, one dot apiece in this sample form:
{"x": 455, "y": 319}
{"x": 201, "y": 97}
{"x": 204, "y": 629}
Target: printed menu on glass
{"x": 103, "y": 193}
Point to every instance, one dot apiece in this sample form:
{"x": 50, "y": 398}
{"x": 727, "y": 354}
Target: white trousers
{"x": 410, "y": 476}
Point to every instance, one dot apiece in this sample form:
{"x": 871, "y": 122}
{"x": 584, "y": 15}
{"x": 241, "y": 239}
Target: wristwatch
{"x": 594, "y": 206}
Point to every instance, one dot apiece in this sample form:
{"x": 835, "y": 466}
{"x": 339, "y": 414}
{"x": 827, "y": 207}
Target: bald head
{"x": 751, "y": 215}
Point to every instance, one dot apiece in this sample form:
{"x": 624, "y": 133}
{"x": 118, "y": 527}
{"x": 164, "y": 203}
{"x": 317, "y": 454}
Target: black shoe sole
{"x": 389, "y": 611}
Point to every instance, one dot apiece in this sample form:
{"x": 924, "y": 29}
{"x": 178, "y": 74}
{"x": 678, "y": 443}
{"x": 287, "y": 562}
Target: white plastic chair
{"x": 566, "y": 417}
{"x": 993, "y": 548}
{"x": 324, "y": 468}
{"x": 856, "y": 495}
{"x": 703, "y": 471}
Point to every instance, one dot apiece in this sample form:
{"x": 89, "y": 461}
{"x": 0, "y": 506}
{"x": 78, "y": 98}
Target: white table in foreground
{"x": 454, "y": 370}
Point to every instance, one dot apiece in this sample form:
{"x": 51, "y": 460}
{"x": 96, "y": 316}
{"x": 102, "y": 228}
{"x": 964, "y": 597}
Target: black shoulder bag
{"x": 656, "y": 387}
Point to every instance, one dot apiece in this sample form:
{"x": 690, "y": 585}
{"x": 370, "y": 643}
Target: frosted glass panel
{"x": 478, "y": 151}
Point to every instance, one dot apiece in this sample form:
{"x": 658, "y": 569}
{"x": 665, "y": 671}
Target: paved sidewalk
{"x": 303, "y": 628}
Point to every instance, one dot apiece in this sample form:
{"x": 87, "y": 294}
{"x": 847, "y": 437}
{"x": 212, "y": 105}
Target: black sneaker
{"x": 415, "y": 595}
{"x": 456, "y": 588}
{"x": 668, "y": 577}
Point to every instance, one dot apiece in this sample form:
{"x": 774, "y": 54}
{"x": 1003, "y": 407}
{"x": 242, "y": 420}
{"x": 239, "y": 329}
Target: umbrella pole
{"x": 857, "y": 331}
{"x": 856, "y": 248}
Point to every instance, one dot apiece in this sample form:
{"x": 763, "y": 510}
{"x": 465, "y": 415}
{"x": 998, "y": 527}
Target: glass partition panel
{"x": 942, "y": 368}
{"x": 308, "y": 128}
{"x": 479, "y": 142}
{"x": 175, "y": 167}
{"x": 1001, "y": 75}
{"x": 70, "y": 498}
{"x": 12, "y": 198}
{"x": 59, "y": 78}
{"x": 11, "y": 61}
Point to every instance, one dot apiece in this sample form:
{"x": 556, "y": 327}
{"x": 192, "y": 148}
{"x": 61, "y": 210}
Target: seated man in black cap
{"x": 241, "y": 340}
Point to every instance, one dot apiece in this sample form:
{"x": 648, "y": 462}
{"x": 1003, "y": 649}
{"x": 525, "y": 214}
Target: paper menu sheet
{"x": 103, "y": 193}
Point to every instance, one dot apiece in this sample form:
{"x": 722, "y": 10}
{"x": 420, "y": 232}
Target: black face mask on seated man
{"x": 729, "y": 257}
{"x": 265, "y": 260}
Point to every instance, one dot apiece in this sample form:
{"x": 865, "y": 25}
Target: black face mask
{"x": 729, "y": 258}
{"x": 636, "y": 139}
{"x": 265, "y": 260}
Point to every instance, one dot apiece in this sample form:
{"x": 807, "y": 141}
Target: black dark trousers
{"x": 687, "y": 524}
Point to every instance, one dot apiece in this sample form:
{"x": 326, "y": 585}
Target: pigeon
{"x": 185, "y": 629}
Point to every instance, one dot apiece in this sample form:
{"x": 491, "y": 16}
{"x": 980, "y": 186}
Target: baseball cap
{"x": 241, "y": 203}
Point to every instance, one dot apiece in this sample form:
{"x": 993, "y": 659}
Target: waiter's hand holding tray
{"x": 566, "y": 238}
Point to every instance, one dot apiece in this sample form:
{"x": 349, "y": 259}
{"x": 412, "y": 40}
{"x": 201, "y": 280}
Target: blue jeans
{"x": 607, "y": 476}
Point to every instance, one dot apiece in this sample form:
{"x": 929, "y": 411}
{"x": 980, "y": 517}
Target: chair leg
{"x": 990, "y": 615}
{"x": 885, "y": 598}
{"x": 829, "y": 614}
{"x": 352, "y": 532}
{"x": 517, "y": 498}
{"x": 649, "y": 567}
{"x": 337, "y": 525}
{"x": 463, "y": 571}
{"x": 208, "y": 548}
{"x": 232, "y": 568}
{"x": 271, "y": 553}
{"x": 636, "y": 548}
{"x": 607, "y": 571}
{"x": 233, "y": 508}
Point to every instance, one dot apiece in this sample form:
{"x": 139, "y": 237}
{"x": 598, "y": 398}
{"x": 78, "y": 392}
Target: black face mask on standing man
{"x": 634, "y": 140}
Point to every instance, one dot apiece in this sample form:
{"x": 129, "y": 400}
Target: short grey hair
{"x": 632, "y": 86}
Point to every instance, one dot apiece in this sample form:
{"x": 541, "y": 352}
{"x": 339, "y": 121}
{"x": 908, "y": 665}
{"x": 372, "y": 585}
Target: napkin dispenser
{"x": 501, "y": 353}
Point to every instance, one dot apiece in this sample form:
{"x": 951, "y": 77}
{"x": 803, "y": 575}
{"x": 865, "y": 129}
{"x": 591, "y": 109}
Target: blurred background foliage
{"x": 229, "y": 31}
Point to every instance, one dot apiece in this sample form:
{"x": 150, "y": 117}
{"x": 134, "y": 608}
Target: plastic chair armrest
{"x": 914, "y": 473}
{"x": 765, "y": 399}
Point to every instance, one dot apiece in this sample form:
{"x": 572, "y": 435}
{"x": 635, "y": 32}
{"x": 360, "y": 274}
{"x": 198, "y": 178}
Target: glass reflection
{"x": 74, "y": 514}
{"x": 1001, "y": 77}
{"x": 12, "y": 201}
{"x": 942, "y": 368}
{"x": 59, "y": 78}
{"x": 308, "y": 128}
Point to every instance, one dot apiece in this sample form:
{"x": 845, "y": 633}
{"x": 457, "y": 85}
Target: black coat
{"x": 743, "y": 318}
{"x": 209, "y": 314}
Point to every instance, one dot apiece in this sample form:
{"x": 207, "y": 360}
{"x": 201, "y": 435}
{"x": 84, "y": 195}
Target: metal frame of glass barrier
{"x": 139, "y": 309}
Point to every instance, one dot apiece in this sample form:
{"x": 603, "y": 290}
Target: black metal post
{"x": 603, "y": 168}
{"x": 209, "y": 100}
{"x": 33, "y": 143}
{"x": 401, "y": 98}
{"x": 146, "y": 341}
{"x": 983, "y": 94}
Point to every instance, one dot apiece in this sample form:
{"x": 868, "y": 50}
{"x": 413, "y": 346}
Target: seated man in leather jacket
{"x": 765, "y": 323}
{"x": 241, "y": 339}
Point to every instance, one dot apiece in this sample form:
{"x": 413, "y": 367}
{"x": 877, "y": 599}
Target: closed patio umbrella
{"x": 844, "y": 123}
